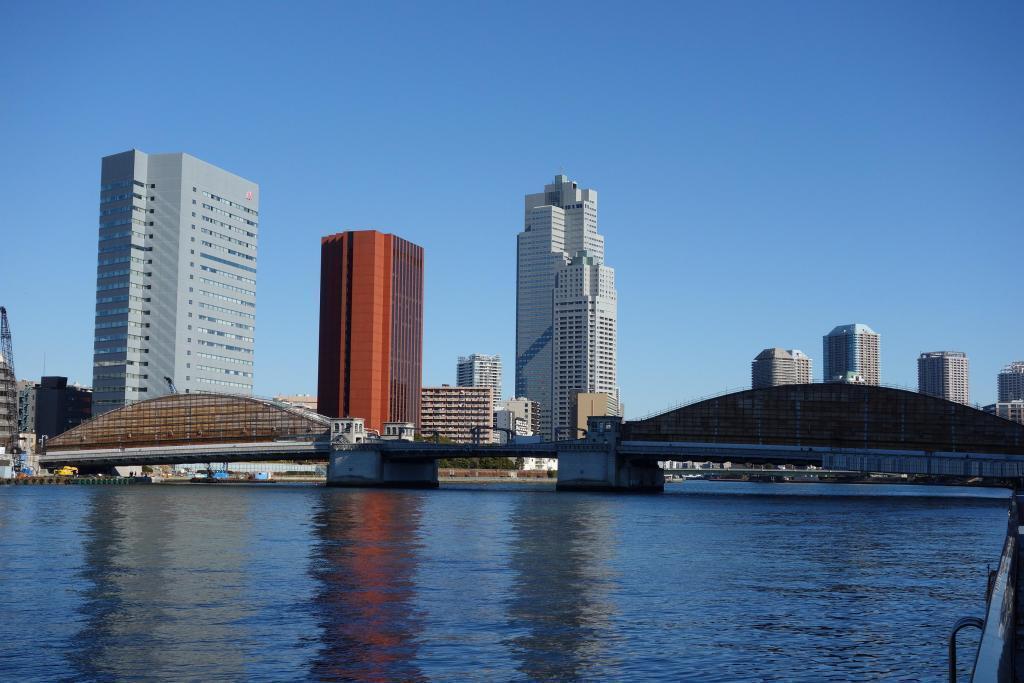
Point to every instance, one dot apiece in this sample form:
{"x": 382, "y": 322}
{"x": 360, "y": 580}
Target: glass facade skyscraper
{"x": 175, "y": 279}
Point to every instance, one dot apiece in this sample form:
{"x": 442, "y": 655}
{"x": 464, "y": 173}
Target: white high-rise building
{"x": 944, "y": 374}
{"x": 480, "y": 370}
{"x": 559, "y": 223}
{"x": 176, "y": 279}
{"x": 801, "y": 367}
{"x": 584, "y": 338}
{"x": 851, "y": 354}
{"x": 775, "y": 366}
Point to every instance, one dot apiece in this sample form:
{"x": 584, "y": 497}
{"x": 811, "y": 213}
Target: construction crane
{"x": 8, "y": 383}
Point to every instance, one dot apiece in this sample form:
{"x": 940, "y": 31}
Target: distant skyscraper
{"x": 479, "y": 370}
{"x": 585, "y": 325}
{"x": 851, "y": 351}
{"x": 1011, "y": 382}
{"x": 775, "y": 366}
{"x": 371, "y": 328}
{"x": 559, "y": 224}
{"x": 943, "y": 374}
{"x": 176, "y": 279}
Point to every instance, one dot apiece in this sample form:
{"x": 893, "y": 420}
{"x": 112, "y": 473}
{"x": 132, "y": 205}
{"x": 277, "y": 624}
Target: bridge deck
{"x": 934, "y": 464}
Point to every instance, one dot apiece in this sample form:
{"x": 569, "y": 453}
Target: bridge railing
{"x": 994, "y": 661}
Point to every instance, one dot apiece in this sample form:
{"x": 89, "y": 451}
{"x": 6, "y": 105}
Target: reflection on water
{"x": 365, "y": 561}
{"x": 141, "y": 612}
{"x": 117, "y": 618}
{"x": 710, "y": 582}
{"x": 558, "y": 608}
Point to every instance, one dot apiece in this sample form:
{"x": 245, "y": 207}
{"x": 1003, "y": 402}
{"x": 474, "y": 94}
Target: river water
{"x": 712, "y": 581}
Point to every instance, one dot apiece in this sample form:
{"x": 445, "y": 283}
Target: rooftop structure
{"x": 835, "y": 415}
{"x": 190, "y": 419}
{"x": 301, "y": 400}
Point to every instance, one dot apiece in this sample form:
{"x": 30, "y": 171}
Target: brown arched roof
{"x": 835, "y": 415}
{"x": 182, "y": 419}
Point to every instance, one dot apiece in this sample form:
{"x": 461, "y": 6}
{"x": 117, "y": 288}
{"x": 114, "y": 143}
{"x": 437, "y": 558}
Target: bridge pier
{"x": 371, "y": 468}
{"x": 596, "y": 465}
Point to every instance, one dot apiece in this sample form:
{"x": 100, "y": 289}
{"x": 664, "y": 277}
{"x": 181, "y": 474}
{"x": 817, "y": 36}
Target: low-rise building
{"x": 590, "y": 404}
{"x": 399, "y": 431}
{"x": 461, "y": 414}
{"x": 524, "y": 408}
{"x": 542, "y": 464}
{"x": 60, "y": 406}
{"x": 1009, "y": 410}
{"x": 299, "y": 400}
{"x": 508, "y": 420}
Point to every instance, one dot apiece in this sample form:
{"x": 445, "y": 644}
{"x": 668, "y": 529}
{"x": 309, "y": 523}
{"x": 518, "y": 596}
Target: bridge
{"x": 852, "y": 427}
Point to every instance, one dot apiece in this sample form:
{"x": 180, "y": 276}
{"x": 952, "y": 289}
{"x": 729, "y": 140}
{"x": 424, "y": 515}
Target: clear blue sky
{"x": 766, "y": 170}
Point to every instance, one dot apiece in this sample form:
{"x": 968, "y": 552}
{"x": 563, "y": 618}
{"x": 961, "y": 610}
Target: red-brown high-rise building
{"x": 371, "y": 327}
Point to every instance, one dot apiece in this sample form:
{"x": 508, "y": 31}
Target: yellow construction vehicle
{"x": 67, "y": 471}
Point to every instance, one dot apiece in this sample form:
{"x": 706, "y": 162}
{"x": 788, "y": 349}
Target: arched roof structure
{"x": 189, "y": 419}
{"x": 834, "y": 415}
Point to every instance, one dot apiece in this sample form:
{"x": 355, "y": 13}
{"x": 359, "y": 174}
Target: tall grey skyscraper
{"x": 559, "y": 223}
{"x": 176, "y": 279}
{"x": 943, "y": 374}
{"x": 1011, "y": 382}
{"x": 776, "y": 366}
{"x": 851, "y": 353}
{"x": 480, "y": 370}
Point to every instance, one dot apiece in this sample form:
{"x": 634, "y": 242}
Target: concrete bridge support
{"x": 607, "y": 471}
{"x": 598, "y": 466}
{"x": 373, "y": 468}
